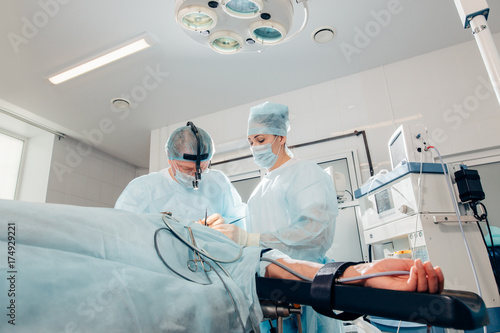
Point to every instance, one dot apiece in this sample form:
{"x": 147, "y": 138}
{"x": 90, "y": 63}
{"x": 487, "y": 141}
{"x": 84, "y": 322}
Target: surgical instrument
{"x": 193, "y": 263}
{"x": 206, "y": 212}
{"x": 239, "y": 219}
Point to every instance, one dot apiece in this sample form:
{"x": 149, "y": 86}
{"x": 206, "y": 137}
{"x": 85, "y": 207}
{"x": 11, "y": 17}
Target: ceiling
{"x": 192, "y": 79}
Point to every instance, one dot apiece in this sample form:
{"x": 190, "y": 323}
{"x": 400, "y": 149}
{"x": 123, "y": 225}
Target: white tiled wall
{"x": 447, "y": 90}
{"x": 84, "y": 176}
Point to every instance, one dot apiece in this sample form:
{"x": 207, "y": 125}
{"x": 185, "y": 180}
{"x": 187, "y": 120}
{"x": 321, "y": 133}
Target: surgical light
{"x": 197, "y": 18}
{"x": 231, "y": 26}
{"x": 243, "y": 8}
{"x": 225, "y": 42}
{"x": 268, "y": 32}
{"x": 138, "y": 44}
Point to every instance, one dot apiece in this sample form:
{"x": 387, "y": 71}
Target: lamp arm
{"x": 473, "y": 14}
{"x": 304, "y": 23}
{"x": 488, "y": 51}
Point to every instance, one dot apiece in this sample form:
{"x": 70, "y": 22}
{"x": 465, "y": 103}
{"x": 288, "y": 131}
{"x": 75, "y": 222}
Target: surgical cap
{"x": 183, "y": 141}
{"x": 269, "y": 118}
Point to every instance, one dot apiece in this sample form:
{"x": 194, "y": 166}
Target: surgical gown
{"x": 84, "y": 269}
{"x": 158, "y": 192}
{"x": 294, "y": 209}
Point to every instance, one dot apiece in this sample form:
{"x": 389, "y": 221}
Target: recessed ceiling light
{"x": 324, "y": 34}
{"x": 139, "y": 43}
{"x": 120, "y": 103}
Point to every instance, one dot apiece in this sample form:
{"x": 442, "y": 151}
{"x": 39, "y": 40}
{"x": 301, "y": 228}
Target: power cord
{"x": 492, "y": 250}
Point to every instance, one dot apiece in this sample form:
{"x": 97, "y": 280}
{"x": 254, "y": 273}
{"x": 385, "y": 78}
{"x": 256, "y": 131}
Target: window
{"x": 11, "y": 152}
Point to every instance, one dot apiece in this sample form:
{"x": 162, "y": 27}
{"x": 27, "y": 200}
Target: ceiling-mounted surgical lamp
{"x": 230, "y": 26}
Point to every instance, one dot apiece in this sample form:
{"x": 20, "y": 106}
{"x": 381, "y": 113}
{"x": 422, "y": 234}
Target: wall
{"x": 64, "y": 170}
{"x": 447, "y": 90}
{"x": 85, "y": 176}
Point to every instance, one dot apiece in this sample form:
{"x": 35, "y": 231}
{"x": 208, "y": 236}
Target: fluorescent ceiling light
{"x": 102, "y": 60}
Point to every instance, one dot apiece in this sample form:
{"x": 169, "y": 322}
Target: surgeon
{"x": 294, "y": 207}
{"x": 188, "y": 188}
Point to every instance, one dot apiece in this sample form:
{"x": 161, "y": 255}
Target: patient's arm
{"x": 423, "y": 277}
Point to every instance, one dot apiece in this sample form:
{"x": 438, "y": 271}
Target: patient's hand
{"x": 423, "y": 276}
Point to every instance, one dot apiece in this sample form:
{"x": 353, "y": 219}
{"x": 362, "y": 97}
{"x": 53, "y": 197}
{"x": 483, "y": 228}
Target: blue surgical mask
{"x": 185, "y": 179}
{"x": 263, "y": 155}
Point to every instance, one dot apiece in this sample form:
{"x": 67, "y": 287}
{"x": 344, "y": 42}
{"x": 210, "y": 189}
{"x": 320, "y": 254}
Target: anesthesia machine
{"x": 419, "y": 210}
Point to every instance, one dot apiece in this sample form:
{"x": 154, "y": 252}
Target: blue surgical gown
{"x": 159, "y": 192}
{"x": 294, "y": 209}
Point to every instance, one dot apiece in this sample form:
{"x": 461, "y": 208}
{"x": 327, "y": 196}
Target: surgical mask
{"x": 263, "y": 155}
{"x": 185, "y": 179}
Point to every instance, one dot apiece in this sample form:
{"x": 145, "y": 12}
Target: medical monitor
{"x": 407, "y": 144}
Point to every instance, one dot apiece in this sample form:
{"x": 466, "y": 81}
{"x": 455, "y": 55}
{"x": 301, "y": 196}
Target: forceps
{"x": 193, "y": 263}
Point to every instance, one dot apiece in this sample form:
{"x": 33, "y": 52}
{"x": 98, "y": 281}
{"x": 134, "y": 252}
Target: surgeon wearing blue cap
{"x": 294, "y": 207}
{"x": 188, "y": 189}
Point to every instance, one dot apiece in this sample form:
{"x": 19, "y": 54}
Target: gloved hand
{"x": 212, "y": 220}
{"x": 238, "y": 235}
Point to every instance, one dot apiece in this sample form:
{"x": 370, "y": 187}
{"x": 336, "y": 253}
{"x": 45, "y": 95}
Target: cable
{"x": 356, "y": 278}
{"x": 419, "y": 200}
{"x": 288, "y": 269}
{"x": 492, "y": 253}
{"x": 200, "y": 251}
{"x": 167, "y": 265}
{"x": 455, "y": 207}
{"x": 374, "y": 275}
{"x": 205, "y": 254}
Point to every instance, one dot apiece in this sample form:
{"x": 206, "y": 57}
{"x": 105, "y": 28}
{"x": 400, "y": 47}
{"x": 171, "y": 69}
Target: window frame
{"x": 21, "y": 162}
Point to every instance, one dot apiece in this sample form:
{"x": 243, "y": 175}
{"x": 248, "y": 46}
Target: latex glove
{"x": 238, "y": 235}
{"x": 212, "y": 220}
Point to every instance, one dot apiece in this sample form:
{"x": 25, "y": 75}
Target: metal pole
{"x": 488, "y": 50}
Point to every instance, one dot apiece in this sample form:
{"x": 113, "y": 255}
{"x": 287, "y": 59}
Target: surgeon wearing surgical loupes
{"x": 188, "y": 189}
{"x": 294, "y": 207}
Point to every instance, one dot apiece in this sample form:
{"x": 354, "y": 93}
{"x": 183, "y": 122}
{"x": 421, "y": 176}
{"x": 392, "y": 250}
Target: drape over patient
{"x": 81, "y": 269}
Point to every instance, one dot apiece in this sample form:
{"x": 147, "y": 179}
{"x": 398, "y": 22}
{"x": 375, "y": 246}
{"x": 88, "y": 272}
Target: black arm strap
{"x": 321, "y": 290}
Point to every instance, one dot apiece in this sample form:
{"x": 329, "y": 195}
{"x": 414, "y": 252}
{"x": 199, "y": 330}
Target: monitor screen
{"x": 384, "y": 201}
{"x": 398, "y": 150}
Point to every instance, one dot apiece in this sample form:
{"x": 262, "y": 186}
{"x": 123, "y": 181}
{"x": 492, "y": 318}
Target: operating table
{"x": 449, "y": 309}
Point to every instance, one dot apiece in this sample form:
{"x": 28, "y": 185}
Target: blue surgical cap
{"x": 183, "y": 141}
{"x": 268, "y": 118}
